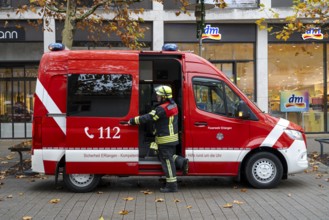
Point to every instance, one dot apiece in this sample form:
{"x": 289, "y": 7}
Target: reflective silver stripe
{"x": 166, "y": 139}
{"x": 169, "y": 168}
{"x": 171, "y": 180}
{"x": 137, "y": 120}
{"x": 171, "y": 127}
{"x": 152, "y": 112}
{"x": 155, "y": 117}
{"x": 171, "y": 177}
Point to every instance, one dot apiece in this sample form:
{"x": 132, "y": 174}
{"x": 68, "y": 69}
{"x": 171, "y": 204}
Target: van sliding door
{"x": 102, "y": 96}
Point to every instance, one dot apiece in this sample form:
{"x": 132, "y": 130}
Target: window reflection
{"x": 17, "y": 86}
{"x": 236, "y": 60}
{"x": 297, "y": 67}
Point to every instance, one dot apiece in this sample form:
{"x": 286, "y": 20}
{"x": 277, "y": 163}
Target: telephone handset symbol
{"x": 91, "y": 136}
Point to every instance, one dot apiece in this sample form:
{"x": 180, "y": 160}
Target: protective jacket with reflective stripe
{"x": 165, "y": 117}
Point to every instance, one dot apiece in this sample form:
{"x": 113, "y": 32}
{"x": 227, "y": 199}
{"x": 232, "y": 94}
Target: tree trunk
{"x": 70, "y": 24}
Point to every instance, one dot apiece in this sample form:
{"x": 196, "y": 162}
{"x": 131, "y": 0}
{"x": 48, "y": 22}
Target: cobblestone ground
{"x": 302, "y": 196}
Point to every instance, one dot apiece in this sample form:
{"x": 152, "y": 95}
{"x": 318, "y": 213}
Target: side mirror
{"x": 243, "y": 110}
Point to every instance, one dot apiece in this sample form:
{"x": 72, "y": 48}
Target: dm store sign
{"x": 294, "y": 101}
{"x": 211, "y": 33}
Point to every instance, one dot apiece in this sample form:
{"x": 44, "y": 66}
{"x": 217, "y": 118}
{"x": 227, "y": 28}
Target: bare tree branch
{"x": 91, "y": 10}
{"x": 54, "y": 9}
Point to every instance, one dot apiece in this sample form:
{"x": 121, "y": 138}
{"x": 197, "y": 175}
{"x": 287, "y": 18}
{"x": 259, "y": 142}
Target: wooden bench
{"x": 322, "y": 141}
{"x": 19, "y": 148}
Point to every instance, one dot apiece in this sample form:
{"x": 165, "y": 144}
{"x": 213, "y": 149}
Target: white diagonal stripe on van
{"x": 276, "y": 133}
{"x": 50, "y": 105}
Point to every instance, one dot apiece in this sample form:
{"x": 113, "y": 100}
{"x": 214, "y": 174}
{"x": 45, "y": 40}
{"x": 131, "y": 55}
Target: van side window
{"x": 215, "y": 96}
{"x": 99, "y": 95}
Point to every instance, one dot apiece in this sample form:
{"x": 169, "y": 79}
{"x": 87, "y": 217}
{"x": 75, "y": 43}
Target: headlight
{"x": 293, "y": 134}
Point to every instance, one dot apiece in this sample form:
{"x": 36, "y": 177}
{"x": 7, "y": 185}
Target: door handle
{"x": 201, "y": 124}
{"x": 124, "y": 123}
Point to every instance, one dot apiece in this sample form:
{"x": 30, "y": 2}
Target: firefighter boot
{"x": 185, "y": 167}
{"x": 170, "y": 187}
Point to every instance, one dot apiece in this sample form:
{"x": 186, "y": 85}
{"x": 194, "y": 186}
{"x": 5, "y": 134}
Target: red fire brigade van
{"x": 84, "y": 99}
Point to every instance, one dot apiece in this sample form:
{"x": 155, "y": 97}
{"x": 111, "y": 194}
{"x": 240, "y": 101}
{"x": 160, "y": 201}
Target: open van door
{"x": 100, "y": 102}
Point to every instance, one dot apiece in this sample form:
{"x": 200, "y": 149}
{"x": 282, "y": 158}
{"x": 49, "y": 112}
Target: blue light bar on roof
{"x": 170, "y": 47}
{"x": 56, "y": 47}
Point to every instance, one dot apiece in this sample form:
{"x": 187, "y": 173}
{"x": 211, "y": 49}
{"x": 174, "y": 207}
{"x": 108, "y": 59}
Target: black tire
{"x": 264, "y": 170}
{"x": 81, "y": 183}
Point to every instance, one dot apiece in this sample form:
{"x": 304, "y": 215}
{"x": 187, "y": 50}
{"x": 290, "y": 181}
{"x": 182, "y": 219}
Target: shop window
{"x": 5, "y": 3}
{"x": 17, "y": 86}
{"x": 297, "y": 69}
{"x": 236, "y": 60}
{"x": 99, "y": 95}
{"x": 241, "y": 4}
{"x": 281, "y": 3}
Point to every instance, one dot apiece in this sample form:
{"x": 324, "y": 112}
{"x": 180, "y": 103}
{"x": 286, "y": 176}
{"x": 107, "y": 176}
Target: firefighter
{"x": 165, "y": 117}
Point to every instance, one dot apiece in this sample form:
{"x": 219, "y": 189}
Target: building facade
{"x": 272, "y": 73}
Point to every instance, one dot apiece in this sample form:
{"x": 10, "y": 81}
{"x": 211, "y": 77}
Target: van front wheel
{"x": 263, "y": 170}
{"x": 81, "y": 183}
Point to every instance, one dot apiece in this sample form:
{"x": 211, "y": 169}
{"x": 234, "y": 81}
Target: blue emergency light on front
{"x": 56, "y": 47}
{"x": 169, "y": 47}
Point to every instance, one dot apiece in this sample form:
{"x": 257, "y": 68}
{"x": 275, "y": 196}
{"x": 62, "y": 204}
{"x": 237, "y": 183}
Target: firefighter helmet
{"x": 164, "y": 91}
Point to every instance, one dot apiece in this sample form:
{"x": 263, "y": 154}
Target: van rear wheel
{"x": 263, "y": 170}
{"x": 81, "y": 183}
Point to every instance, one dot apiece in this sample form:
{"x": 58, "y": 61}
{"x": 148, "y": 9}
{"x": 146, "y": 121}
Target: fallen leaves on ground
{"x": 243, "y": 190}
{"x": 147, "y": 192}
{"x": 315, "y": 168}
{"x": 54, "y": 201}
{"x": 319, "y": 176}
{"x": 10, "y": 157}
{"x": 27, "y": 218}
{"x": 128, "y": 198}
{"x": 176, "y": 200}
{"x": 124, "y": 212}
{"x": 228, "y": 205}
{"x": 159, "y": 200}
{"x": 20, "y": 176}
{"x": 237, "y": 202}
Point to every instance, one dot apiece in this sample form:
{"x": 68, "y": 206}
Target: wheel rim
{"x": 82, "y": 180}
{"x": 264, "y": 170}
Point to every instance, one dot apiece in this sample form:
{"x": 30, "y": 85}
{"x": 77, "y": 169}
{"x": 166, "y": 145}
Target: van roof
{"x": 108, "y": 54}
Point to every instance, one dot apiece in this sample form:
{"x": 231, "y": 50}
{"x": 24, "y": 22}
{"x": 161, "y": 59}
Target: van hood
{"x": 276, "y": 121}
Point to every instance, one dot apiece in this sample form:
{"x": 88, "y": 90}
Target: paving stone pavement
{"x": 301, "y": 196}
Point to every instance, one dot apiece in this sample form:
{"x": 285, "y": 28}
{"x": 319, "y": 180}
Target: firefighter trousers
{"x": 166, "y": 153}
